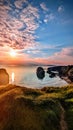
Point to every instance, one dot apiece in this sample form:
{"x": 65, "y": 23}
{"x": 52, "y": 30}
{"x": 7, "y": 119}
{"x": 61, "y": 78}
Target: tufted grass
{"x": 24, "y": 108}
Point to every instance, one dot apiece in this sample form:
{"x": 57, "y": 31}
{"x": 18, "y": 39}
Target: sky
{"x": 38, "y": 31}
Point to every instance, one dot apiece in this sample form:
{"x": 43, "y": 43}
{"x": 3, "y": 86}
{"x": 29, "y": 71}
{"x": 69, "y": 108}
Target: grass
{"x": 35, "y": 109}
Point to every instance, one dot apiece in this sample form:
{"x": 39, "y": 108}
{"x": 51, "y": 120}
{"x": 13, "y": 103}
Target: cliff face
{"x": 48, "y": 108}
{"x": 64, "y": 72}
{"x": 4, "y": 77}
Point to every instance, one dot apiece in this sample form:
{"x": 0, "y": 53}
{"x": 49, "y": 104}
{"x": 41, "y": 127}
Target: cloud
{"x": 20, "y": 59}
{"x": 66, "y": 52}
{"x": 64, "y": 57}
{"x": 18, "y": 24}
{"x": 49, "y": 18}
{"x": 39, "y": 49}
{"x": 60, "y": 9}
{"x": 43, "y": 6}
{"x": 19, "y": 4}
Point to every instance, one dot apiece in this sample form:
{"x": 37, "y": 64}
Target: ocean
{"x": 26, "y": 76}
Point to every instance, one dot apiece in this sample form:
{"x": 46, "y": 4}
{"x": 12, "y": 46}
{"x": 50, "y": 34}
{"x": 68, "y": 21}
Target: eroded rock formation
{"x": 40, "y": 73}
{"x": 4, "y": 77}
{"x": 64, "y": 72}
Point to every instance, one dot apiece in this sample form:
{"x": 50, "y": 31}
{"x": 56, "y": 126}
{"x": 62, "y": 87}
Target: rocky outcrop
{"x": 4, "y": 77}
{"x": 64, "y": 72}
{"x": 70, "y": 74}
{"x": 52, "y": 75}
{"x": 40, "y": 73}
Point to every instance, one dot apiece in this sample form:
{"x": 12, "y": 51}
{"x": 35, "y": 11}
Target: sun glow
{"x": 13, "y": 53}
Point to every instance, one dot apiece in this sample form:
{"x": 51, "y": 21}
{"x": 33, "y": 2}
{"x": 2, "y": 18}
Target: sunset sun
{"x": 13, "y": 53}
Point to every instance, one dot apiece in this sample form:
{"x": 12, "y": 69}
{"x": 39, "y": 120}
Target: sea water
{"x": 26, "y": 76}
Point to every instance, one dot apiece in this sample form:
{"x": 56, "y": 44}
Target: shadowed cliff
{"x": 64, "y": 72}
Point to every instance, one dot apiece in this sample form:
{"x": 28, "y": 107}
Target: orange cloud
{"x": 60, "y": 58}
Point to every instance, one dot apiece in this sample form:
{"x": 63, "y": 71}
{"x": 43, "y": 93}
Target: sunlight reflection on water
{"x": 13, "y": 77}
{"x": 26, "y": 76}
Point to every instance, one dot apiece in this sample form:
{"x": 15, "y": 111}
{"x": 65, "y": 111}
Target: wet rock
{"x": 4, "y": 77}
{"x": 52, "y": 75}
{"x": 54, "y": 68}
{"x": 40, "y": 73}
{"x": 64, "y": 72}
{"x": 70, "y": 75}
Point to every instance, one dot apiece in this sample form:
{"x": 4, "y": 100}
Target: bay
{"x": 26, "y": 76}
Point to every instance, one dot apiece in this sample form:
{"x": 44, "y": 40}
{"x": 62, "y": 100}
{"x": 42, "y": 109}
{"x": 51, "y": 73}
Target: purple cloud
{"x": 43, "y": 6}
{"x": 17, "y": 27}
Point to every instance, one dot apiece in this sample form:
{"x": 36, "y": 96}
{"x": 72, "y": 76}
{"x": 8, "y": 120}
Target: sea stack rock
{"x": 40, "y": 73}
{"x": 70, "y": 75}
{"x": 4, "y": 77}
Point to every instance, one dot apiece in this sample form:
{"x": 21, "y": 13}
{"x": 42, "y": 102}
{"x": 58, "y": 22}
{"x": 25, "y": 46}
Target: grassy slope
{"x": 34, "y": 109}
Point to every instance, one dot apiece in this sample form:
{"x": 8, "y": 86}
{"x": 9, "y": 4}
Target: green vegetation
{"x": 36, "y": 109}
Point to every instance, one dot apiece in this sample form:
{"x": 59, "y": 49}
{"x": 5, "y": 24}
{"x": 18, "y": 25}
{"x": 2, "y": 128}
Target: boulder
{"x": 40, "y": 73}
{"x": 4, "y": 77}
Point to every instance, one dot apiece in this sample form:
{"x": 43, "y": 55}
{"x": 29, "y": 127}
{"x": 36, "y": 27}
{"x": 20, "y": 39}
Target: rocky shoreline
{"x": 64, "y": 72}
{"x": 49, "y": 108}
